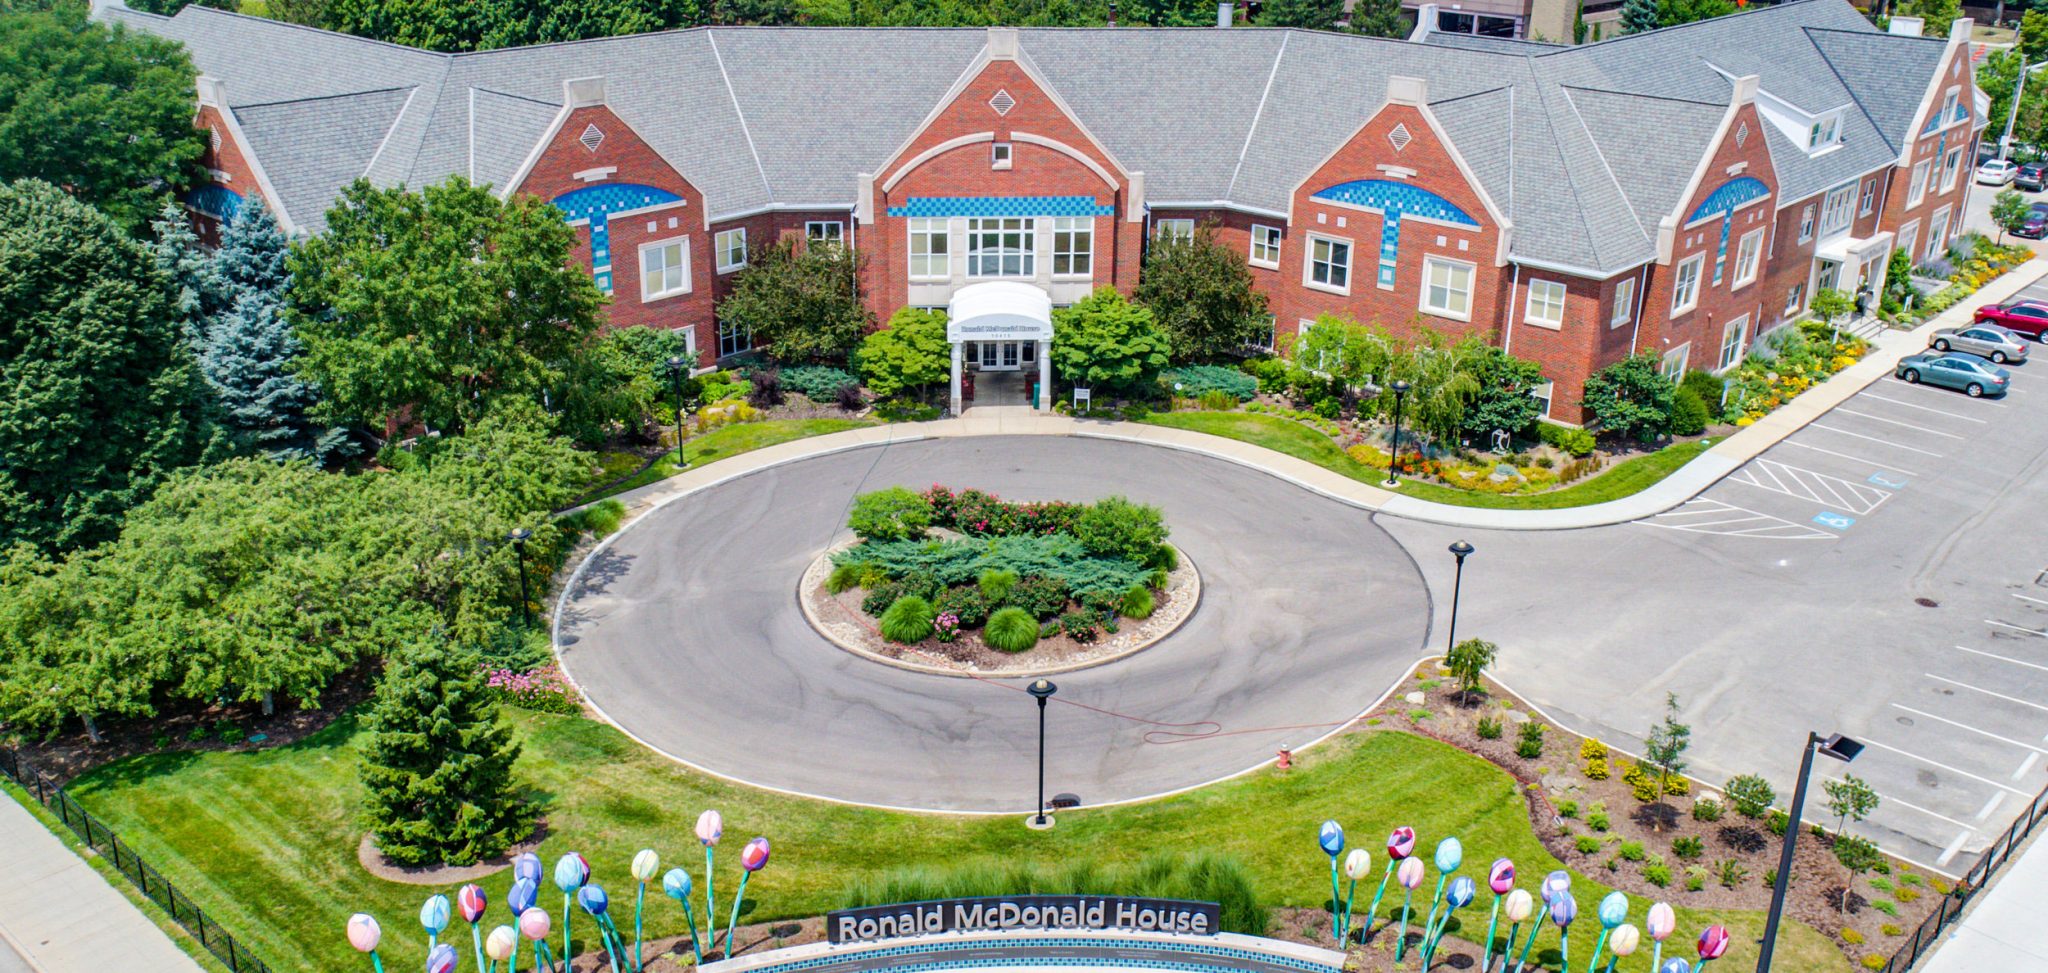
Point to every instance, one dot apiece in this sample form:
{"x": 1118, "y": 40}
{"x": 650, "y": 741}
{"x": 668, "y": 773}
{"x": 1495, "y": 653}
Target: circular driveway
{"x": 685, "y": 630}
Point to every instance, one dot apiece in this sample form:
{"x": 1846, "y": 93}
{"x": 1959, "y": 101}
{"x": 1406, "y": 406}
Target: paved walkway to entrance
{"x": 61, "y": 916}
{"x": 2002, "y": 930}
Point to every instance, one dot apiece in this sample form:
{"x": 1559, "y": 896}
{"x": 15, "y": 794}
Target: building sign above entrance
{"x": 1057, "y": 913}
{"x": 999, "y": 310}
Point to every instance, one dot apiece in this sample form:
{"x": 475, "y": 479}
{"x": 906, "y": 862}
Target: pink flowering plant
{"x": 542, "y": 688}
{"x": 946, "y": 626}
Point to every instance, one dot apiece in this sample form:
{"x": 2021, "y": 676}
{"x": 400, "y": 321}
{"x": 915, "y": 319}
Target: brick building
{"x": 1677, "y": 191}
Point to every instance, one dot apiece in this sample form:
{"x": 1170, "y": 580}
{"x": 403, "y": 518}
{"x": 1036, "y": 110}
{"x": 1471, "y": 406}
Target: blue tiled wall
{"x": 937, "y": 206}
{"x": 1394, "y": 200}
{"x": 596, "y": 204}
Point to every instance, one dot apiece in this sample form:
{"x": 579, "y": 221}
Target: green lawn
{"x": 265, "y": 841}
{"x": 731, "y": 441}
{"x": 1301, "y": 442}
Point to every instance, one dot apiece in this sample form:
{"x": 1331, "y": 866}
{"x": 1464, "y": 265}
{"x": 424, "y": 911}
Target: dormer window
{"x": 999, "y": 155}
{"x": 1826, "y": 131}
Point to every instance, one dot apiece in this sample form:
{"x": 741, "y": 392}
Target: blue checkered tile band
{"x": 1722, "y": 202}
{"x": 1394, "y": 200}
{"x": 934, "y": 206}
{"x": 596, "y": 204}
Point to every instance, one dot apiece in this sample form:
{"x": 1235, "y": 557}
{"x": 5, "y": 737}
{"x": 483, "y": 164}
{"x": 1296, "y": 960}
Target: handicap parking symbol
{"x": 1884, "y": 479}
{"x": 1832, "y": 520}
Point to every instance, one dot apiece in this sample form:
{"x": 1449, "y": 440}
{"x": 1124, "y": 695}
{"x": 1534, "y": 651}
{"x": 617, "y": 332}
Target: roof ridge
{"x": 1854, "y": 99}
{"x": 1639, "y": 94}
{"x": 740, "y": 113}
{"x": 1811, "y": 28}
{"x": 202, "y": 10}
{"x": 1601, "y": 154}
{"x": 1755, "y": 11}
{"x": 344, "y": 94}
{"x": 1251, "y": 131}
{"x": 507, "y": 94}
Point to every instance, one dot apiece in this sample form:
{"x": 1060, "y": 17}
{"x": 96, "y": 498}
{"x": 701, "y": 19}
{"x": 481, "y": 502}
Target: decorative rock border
{"x": 1183, "y": 588}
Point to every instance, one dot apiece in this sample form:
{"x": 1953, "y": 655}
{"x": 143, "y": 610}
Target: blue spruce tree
{"x": 201, "y": 292}
{"x": 251, "y": 360}
{"x": 253, "y": 252}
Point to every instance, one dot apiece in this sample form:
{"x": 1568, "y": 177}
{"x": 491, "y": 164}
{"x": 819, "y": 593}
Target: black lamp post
{"x": 675, "y": 379}
{"x": 1459, "y": 550}
{"x": 1841, "y": 748}
{"x": 1041, "y": 690}
{"x": 519, "y": 537}
{"x": 1394, "y": 448}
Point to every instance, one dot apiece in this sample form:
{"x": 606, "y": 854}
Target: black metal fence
{"x": 1951, "y": 906}
{"x": 110, "y": 846}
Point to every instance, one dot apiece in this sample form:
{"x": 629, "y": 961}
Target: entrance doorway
{"x": 998, "y": 330}
{"x": 1003, "y": 356}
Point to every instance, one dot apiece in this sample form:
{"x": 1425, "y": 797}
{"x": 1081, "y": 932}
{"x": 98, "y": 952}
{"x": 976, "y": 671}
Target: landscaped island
{"x": 969, "y": 577}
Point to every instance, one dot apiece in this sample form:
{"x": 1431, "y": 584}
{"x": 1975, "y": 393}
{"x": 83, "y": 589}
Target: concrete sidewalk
{"x": 1684, "y": 484}
{"x": 2002, "y": 929}
{"x": 61, "y": 916}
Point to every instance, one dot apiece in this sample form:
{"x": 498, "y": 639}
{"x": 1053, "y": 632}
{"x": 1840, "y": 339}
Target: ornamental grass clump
{"x": 1011, "y": 630}
{"x": 1137, "y": 603}
{"x": 908, "y": 620}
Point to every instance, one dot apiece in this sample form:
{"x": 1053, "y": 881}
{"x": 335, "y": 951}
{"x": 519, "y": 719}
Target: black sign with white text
{"x": 1046, "y": 913}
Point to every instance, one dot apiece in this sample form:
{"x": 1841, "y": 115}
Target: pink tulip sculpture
{"x": 1622, "y": 943}
{"x": 1400, "y": 845}
{"x": 710, "y": 828}
{"x": 1563, "y": 909}
{"x": 470, "y": 901}
{"x": 1357, "y": 865}
{"x": 753, "y": 858}
{"x": 1449, "y": 855}
{"x": 1613, "y": 912}
{"x": 441, "y": 959}
{"x": 1331, "y": 838}
{"x": 363, "y": 934}
{"x": 1520, "y": 906}
{"x": 1410, "y": 874}
{"x": 676, "y": 885}
{"x": 646, "y": 865}
{"x": 1500, "y": 877}
{"x": 1660, "y": 924}
{"x": 501, "y": 945}
{"x": 535, "y": 924}
{"x": 1713, "y": 942}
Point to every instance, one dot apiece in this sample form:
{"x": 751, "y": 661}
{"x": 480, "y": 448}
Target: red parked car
{"x": 2024, "y": 316}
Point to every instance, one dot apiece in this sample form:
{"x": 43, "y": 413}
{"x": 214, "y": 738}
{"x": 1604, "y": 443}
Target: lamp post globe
{"x": 519, "y": 537}
{"x": 1400, "y": 388}
{"x": 1041, "y": 690}
{"x": 1460, "y": 550}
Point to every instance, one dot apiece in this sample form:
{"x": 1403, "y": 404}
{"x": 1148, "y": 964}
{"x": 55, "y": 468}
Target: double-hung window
{"x": 1734, "y": 337}
{"x": 1685, "y": 284}
{"x": 1265, "y": 246}
{"x": 1624, "y": 303}
{"x": 664, "y": 269}
{"x": 930, "y": 256}
{"x": 1675, "y": 361}
{"x": 825, "y": 231}
{"x": 733, "y": 339}
{"x": 1794, "y": 298}
{"x": 1916, "y": 187}
{"x": 1746, "y": 258}
{"x": 1869, "y": 201}
{"x": 1004, "y": 246}
{"x": 1073, "y": 246}
{"x": 1951, "y": 167}
{"x": 1164, "y": 229}
{"x": 1329, "y": 264}
{"x": 731, "y": 248}
{"x": 1806, "y": 224}
{"x": 1447, "y": 288}
{"x": 1543, "y": 394}
{"x": 1836, "y": 211}
{"x": 1937, "y": 234}
{"x": 1545, "y": 307}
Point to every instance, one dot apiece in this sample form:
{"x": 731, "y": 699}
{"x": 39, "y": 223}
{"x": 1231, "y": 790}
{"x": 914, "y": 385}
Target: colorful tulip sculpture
{"x": 1622, "y": 943}
{"x": 1500, "y": 877}
{"x": 1713, "y": 942}
{"x": 571, "y": 871}
{"x": 710, "y": 828}
{"x": 1331, "y": 837}
{"x": 1449, "y": 855}
{"x": 594, "y": 901}
{"x": 1357, "y": 865}
{"x": 1563, "y": 909}
{"x": 676, "y": 885}
{"x": 1555, "y": 882}
{"x": 1410, "y": 874}
{"x": 363, "y": 934}
{"x": 501, "y": 945}
{"x": 1613, "y": 912}
{"x": 1400, "y": 844}
{"x": 470, "y": 901}
{"x": 534, "y": 924}
{"x": 1458, "y": 896}
{"x": 434, "y": 918}
{"x": 441, "y": 959}
{"x": 646, "y": 865}
{"x": 753, "y": 858}
{"x": 527, "y": 866}
{"x": 1521, "y": 905}
{"x": 525, "y": 892}
{"x": 1675, "y": 964}
{"x": 1659, "y": 925}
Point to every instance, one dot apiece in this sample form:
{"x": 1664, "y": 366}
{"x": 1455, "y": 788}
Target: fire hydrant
{"x": 1286, "y": 761}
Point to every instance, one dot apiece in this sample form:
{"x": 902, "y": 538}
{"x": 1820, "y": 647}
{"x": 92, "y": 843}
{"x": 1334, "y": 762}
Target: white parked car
{"x": 1997, "y": 172}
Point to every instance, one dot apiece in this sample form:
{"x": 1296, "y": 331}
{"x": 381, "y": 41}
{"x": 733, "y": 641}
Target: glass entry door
{"x": 1001, "y": 356}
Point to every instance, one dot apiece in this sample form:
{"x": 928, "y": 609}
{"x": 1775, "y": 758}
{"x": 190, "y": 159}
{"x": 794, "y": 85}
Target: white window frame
{"x": 1826, "y": 131}
{"x": 1794, "y": 299}
{"x": 980, "y": 228}
{"x": 737, "y": 338}
{"x": 815, "y": 231}
{"x": 723, "y": 245}
{"x": 1951, "y": 168}
{"x": 1951, "y": 101}
{"x": 1681, "y": 356}
{"x": 682, "y": 247}
{"x": 1916, "y": 185}
{"x": 1071, "y": 227}
{"x": 1869, "y": 201}
{"x": 1909, "y": 239}
{"x": 1180, "y": 227}
{"x": 1430, "y": 265}
{"x": 1000, "y": 155}
{"x": 1837, "y": 212}
{"x": 1748, "y": 259}
{"x": 1739, "y": 329}
{"x": 1545, "y": 303}
{"x": 1545, "y": 393}
{"x": 1309, "y": 261}
{"x": 1272, "y": 334}
{"x": 925, "y": 231}
{"x": 1685, "y": 288}
{"x": 1806, "y": 223}
{"x": 1624, "y": 303}
{"x": 1937, "y": 235}
{"x": 1266, "y": 241}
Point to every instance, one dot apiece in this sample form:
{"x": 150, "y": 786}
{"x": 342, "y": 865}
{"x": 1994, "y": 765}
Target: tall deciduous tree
{"x": 434, "y": 304}
{"x": 1632, "y": 397}
{"x": 1202, "y": 295}
{"x": 805, "y": 304}
{"x": 1502, "y": 399}
{"x": 437, "y": 771}
{"x": 1105, "y": 342}
{"x": 1441, "y": 385}
{"x": 1380, "y": 18}
{"x": 99, "y": 396}
{"x": 101, "y": 111}
{"x": 2009, "y": 212}
{"x": 467, "y": 25}
{"x": 911, "y": 353}
{"x": 1350, "y": 352}
{"x": 1312, "y": 14}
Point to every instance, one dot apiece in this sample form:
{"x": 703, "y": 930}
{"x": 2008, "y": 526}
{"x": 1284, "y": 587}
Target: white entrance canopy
{"x": 1002, "y": 311}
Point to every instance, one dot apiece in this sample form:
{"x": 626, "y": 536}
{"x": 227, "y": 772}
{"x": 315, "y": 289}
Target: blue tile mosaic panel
{"x": 936, "y": 206}
{"x": 215, "y": 200}
{"x": 597, "y": 204}
{"x": 1394, "y": 200}
{"x": 1722, "y": 203}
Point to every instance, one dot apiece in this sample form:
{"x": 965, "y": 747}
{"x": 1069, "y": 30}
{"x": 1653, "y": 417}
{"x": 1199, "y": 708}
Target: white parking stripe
{"x": 1874, "y": 439}
{"x": 1987, "y": 692}
{"x": 1990, "y": 806}
{"x": 1949, "y": 853}
{"x": 2026, "y": 765}
{"x": 1930, "y": 390}
{"x": 1859, "y": 459}
{"x": 2022, "y": 597}
{"x": 1895, "y": 422}
{"x": 1952, "y": 770}
{"x": 1804, "y": 484}
{"x": 1923, "y": 408}
{"x": 2001, "y": 658}
{"x": 1888, "y": 801}
{"x": 1966, "y": 726}
{"x": 2016, "y": 628}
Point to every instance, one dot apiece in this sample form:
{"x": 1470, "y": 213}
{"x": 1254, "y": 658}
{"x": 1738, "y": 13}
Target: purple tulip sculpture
{"x": 441, "y": 959}
{"x": 1410, "y": 874}
{"x": 1449, "y": 855}
{"x": 364, "y": 934}
{"x": 1500, "y": 877}
{"x": 710, "y": 828}
{"x": 470, "y": 901}
{"x": 1713, "y": 942}
{"x": 434, "y": 918}
{"x": 676, "y": 885}
{"x": 1357, "y": 865}
{"x": 1660, "y": 924}
{"x": 1563, "y": 909}
{"x": 1458, "y": 896}
{"x": 1613, "y": 912}
{"x": 646, "y": 864}
{"x": 525, "y": 891}
{"x": 1331, "y": 837}
{"x": 1400, "y": 845}
{"x": 753, "y": 858}
{"x": 594, "y": 901}
{"x": 1520, "y": 906}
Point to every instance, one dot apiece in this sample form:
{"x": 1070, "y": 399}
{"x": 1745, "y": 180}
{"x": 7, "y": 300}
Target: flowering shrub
{"x": 982, "y": 514}
{"x": 946, "y": 626}
{"x": 542, "y": 688}
{"x": 1787, "y": 363}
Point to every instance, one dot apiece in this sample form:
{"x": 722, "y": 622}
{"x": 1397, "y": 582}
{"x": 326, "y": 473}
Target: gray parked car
{"x": 1983, "y": 340}
{"x": 1972, "y": 375}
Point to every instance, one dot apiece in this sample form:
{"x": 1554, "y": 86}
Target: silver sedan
{"x": 1984, "y": 341}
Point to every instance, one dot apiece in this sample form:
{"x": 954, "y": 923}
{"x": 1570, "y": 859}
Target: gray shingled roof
{"x": 757, "y": 117}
